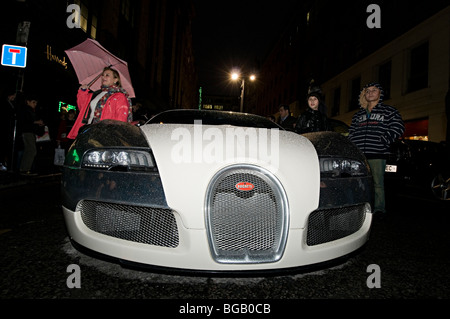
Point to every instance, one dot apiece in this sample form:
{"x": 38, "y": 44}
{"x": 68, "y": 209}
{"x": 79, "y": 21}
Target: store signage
{"x": 55, "y": 58}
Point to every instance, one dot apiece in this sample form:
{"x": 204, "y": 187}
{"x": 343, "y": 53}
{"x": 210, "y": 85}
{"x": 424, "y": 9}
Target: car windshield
{"x": 213, "y": 118}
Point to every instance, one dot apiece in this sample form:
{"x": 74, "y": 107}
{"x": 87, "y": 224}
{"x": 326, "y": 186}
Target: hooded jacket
{"x": 374, "y": 132}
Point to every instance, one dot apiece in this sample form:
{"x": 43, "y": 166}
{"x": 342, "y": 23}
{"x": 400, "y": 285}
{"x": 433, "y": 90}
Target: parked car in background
{"x": 338, "y": 126}
{"x": 216, "y": 192}
{"x": 419, "y": 168}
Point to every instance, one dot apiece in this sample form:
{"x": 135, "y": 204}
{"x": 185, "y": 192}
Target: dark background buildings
{"x": 180, "y": 52}
{"x": 153, "y": 36}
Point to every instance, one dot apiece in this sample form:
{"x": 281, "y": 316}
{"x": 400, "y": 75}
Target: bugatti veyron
{"x": 211, "y": 191}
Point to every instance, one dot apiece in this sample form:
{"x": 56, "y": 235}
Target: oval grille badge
{"x": 245, "y": 186}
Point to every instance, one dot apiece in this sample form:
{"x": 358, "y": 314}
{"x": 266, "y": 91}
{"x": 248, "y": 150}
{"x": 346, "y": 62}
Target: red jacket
{"x": 116, "y": 108}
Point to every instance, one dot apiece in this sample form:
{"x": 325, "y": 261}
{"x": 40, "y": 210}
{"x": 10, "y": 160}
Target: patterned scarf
{"x": 110, "y": 90}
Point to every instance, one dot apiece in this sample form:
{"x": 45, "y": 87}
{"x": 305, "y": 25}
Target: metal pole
{"x": 242, "y": 95}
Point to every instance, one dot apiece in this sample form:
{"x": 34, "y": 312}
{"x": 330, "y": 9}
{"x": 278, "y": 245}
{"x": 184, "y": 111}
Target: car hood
{"x": 188, "y": 156}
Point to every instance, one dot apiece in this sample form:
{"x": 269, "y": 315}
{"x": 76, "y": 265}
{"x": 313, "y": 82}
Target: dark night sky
{"x": 234, "y": 34}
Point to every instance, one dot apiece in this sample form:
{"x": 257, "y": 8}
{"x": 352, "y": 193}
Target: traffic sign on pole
{"x": 13, "y": 55}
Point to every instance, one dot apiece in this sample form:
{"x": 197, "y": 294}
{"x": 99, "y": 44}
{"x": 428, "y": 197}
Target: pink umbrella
{"x": 89, "y": 58}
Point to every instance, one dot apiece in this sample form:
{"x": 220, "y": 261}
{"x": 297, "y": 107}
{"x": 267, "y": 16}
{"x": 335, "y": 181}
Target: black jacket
{"x": 288, "y": 123}
{"x": 27, "y": 117}
{"x": 312, "y": 121}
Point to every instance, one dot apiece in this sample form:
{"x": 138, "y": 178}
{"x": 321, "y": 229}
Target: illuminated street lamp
{"x": 236, "y": 76}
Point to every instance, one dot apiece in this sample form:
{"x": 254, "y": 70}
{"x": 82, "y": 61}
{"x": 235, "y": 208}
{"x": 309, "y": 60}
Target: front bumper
{"x": 193, "y": 251}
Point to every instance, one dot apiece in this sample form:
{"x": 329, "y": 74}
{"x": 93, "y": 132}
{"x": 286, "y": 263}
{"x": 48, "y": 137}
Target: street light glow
{"x": 236, "y": 76}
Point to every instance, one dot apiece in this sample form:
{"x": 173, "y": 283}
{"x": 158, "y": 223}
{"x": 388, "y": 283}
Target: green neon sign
{"x": 66, "y": 107}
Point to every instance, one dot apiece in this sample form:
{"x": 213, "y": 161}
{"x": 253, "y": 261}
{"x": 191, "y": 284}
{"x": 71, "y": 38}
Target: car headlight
{"x": 342, "y": 167}
{"x": 125, "y": 158}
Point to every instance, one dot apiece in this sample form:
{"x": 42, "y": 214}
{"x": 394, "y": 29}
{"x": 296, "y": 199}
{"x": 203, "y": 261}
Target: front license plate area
{"x": 391, "y": 168}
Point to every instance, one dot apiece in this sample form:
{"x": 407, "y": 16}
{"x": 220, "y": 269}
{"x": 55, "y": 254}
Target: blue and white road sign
{"x": 13, "y": 55}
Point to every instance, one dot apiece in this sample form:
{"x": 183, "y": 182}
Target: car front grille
{"x": 147, "y": 225}
{"x": 326, "y": 225}
{"x": 246, "y": 226}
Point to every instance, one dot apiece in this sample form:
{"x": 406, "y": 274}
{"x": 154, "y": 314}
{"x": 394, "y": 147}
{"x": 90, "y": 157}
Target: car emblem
{"x": 245, "y": 186}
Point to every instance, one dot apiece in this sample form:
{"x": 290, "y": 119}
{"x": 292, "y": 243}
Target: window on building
{"x": 384, "y": 78}
{"x": 84, "y": 19}
{"x": 335, "y": 110}
{"x": 354, "y": 93}
{"x": 94, "y": 27}
{"x": 127, "y": 10}
{"x": 84, "y": 14}
{"x": 418, "y": 68}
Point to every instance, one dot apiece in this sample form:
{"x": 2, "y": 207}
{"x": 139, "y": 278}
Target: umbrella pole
{"x": 93, "y": 81}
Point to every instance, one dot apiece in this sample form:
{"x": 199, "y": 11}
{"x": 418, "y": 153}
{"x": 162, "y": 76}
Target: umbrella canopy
{"x": 89, "y": 58}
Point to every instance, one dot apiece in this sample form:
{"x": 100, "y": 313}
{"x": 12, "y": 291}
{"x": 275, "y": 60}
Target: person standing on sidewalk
{"x": 8, "y": 110}
{"x": 373, "y": 129}
{"x": 30, "y": 125}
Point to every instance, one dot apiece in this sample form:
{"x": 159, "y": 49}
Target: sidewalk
{"x": 11, "y": 179}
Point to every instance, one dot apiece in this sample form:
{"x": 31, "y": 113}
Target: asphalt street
{"x": 409, "y": 249}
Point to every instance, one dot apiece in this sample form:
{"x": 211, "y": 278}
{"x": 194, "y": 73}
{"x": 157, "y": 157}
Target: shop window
{"x": 416, "y": 129}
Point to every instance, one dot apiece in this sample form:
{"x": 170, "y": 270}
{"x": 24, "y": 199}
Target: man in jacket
{"x": 30, "y": 125}
{"x": 287, "y": 121}
{"x": 373, "y": 129}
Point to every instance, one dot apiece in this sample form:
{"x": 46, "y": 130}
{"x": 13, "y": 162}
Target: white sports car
{"x": 215, "y": 192}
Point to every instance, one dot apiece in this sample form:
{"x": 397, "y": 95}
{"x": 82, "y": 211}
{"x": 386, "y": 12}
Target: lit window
{"x": 94, "y": 27}
{"x": 84, "y": 17}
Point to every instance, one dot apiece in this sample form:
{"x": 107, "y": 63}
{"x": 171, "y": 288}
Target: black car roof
{"x": 212, "y": 117}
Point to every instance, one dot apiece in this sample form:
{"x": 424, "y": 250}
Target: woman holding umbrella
{"x": 110, "y": 102}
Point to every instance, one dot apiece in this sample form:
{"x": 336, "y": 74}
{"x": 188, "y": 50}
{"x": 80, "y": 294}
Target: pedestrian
{"x": 312, "y": 120}
{"x": 30, "y": 126}
{"x": 287, "y": 121}
{"x": 373, "y": 129}
{"x": 140, "y": 114}
{"x": 110, "y": 102}
{"x": 7, "y": 127}
{"x": 65, "y": 125}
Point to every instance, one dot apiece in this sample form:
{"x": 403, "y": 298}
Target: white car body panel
{"x": 185, "y": 184}
{"x": 194, "y": 252}
{"x": 186, "y": 172}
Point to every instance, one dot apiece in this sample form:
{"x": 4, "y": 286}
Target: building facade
{"x": 334, "y": 48}
{"x": 153, "y": 36}
{"x": 414, "y": 69}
